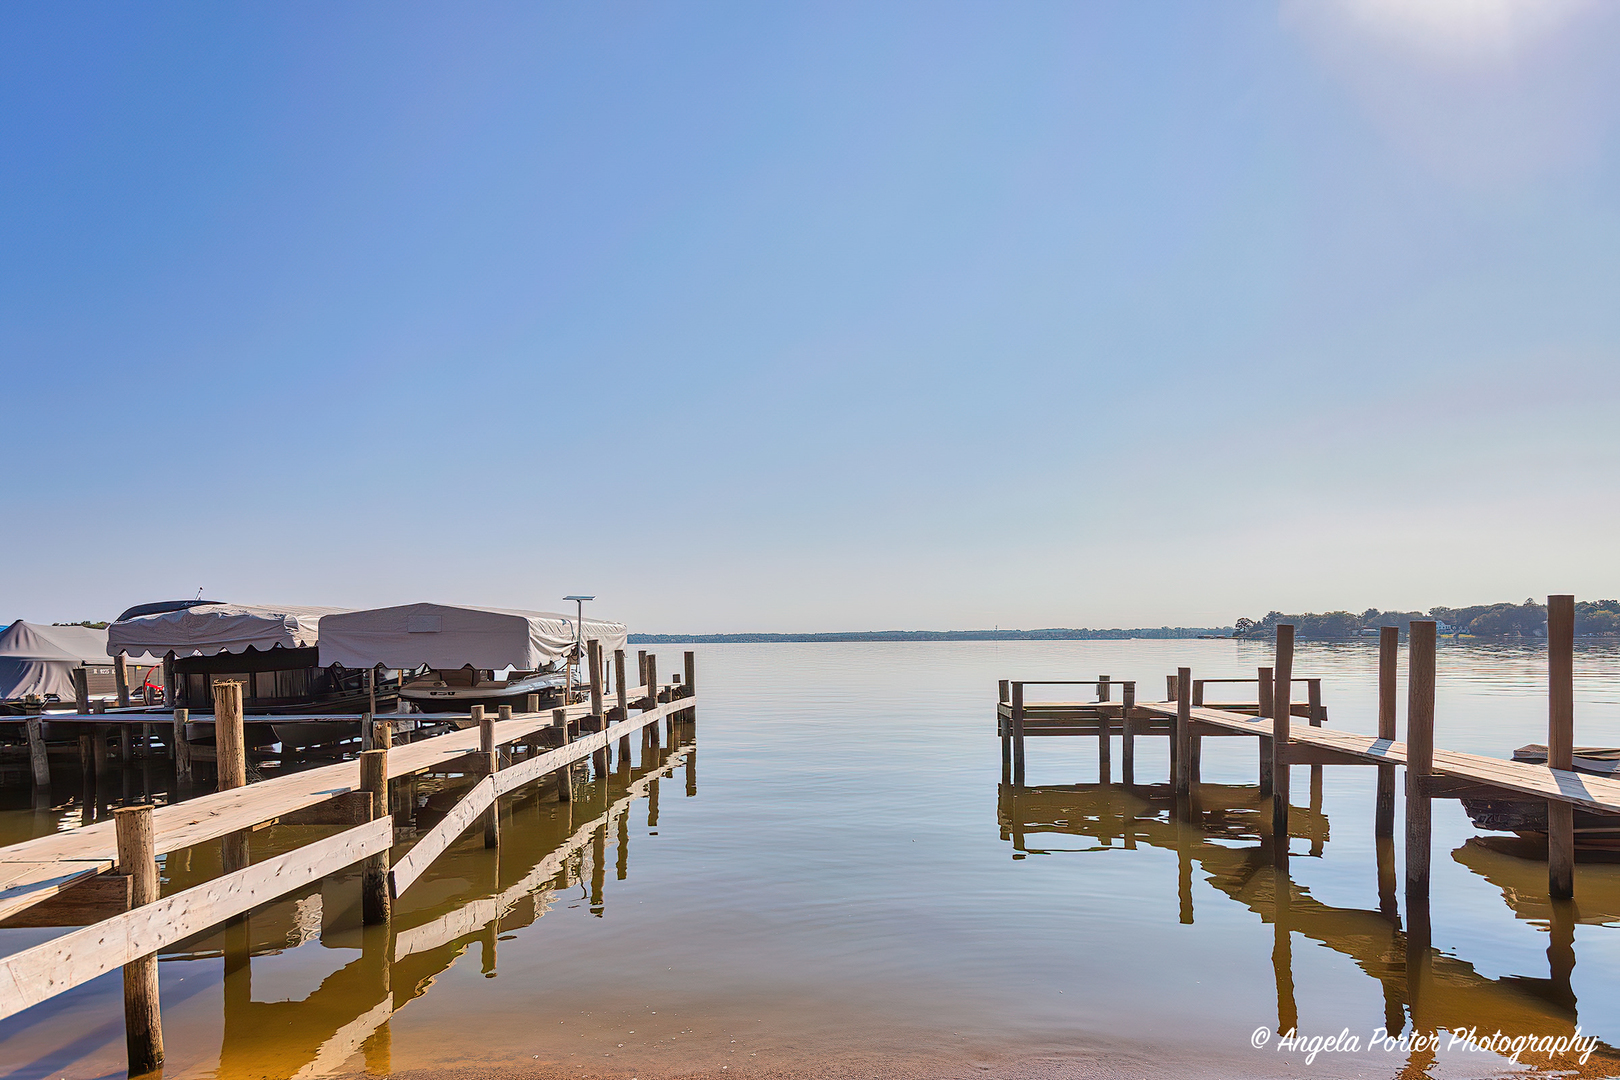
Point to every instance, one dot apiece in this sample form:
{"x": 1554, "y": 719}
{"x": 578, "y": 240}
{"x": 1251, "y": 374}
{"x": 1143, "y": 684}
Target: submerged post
{"x": 1389, "y": 646}
{"x": 1419, "y": 761}
{"x": 1281, "y": 717}
{"x": 1560, "y": 742}
{"x": 1263, "y": 709}
{"x": 375, "y": 904}
{"x": 1183, "y": 732}
{"x": 143, "y": 1020}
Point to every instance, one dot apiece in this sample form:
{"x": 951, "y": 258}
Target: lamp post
{"x": 579, "y": 624}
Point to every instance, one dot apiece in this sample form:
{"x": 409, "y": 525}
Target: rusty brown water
{"x": 833, "y": 880}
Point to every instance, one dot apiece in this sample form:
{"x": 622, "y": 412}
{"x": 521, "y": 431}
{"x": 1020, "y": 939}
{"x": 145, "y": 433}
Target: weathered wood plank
{"x": 87, "y": 900}
{"x": 38, "y": 974}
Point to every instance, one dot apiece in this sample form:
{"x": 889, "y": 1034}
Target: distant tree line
{"x": 1056, "y": 634}
{"x": 1529, "y": 619}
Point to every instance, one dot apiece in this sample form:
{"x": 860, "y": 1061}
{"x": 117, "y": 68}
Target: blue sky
{"x": 811, "y": 316}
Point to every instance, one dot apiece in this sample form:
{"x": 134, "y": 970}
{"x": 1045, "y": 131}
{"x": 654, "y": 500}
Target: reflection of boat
{"x": 457, "y": 691}
{"x": 1595, "y": 834}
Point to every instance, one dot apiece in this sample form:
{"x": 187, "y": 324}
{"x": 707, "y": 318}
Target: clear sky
{"x": 779, "y": 316}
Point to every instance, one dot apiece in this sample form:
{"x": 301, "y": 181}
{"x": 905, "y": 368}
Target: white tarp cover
{"x": 40, "y": 659}
{"x": 451, "y": 636}
{"x": 210, "y": 629}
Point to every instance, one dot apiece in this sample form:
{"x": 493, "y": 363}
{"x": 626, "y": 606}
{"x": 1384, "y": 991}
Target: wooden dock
{"x": 103, "y": 877}
{"x": 1273, "y": 720}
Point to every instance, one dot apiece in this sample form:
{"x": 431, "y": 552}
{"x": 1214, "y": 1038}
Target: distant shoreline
{"x": 938, "y": 635}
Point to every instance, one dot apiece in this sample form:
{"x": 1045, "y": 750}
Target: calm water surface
{"x": 834, "y": 880}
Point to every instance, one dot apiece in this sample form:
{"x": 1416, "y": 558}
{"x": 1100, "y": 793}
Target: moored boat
{"x": 1594, "y": 833}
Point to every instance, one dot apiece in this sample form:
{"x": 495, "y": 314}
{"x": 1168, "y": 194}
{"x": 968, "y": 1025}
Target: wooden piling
{"x": 1560, "y": 742}
{"x": 593, "y": 654}
{"x": 1419, "y": 762}
{"x": 126, "y": 744}
{"x": 531, "y": 703}
{"x": 1282, "y": 674}
{"x": 180, "y": 747}
{"x": 565, "y": 775}
{"x": 1004, "y": 694}
{"x": 143, "y": 1020}
{"x": 375, "y": 904}
{"x": 1183, "y": 732}
{"x": 1169, "y": 688}
{"x": 652, "y": 697}
{"x": 230, "y": 747}
{"x": 1127, "y": 737}
{"x": 121, "y": 679}
{"x": 1389, "y": 646}
{"x": 491, "y": 764}
{"x": 1264, "y": 706}
{"x": 621, "y": 694}
{"x": 690, "y": 715}
{"x": 38, "y": 760}
{"x": 1105, "y": 736}
{"x": 1018, "y": 732}
{"x": 81, "y": 690}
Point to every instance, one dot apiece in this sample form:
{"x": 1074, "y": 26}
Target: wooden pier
{"x": 103, "y": 877}
{"x": 1273, "y": 720}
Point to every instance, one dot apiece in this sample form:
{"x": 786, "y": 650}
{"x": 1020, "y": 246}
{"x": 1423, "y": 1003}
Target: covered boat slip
{"x": 39, "y": 661}
{"x": 448, "y": 637}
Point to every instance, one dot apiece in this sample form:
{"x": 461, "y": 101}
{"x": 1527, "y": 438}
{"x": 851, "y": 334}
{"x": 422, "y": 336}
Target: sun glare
{"x": 1464, "y": 29}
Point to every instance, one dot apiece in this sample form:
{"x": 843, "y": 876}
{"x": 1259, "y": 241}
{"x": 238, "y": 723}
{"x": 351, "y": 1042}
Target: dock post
{"x": 593, "y": 655}
{"x": 1389, "y": 646}
{"x": 1263, "y": 709}
{"x": 1419, "y": 764}
{"x": 143, "y": 1020}
{"x": 368, "y": 738}
{"x": 1127, "y": 737}
{"x": 1004, "y": 729}
{"x": 81, "y": 690}
{"x": 1105, "y": 737}
{"x": 180, "y": 747}
{"x": 565, "y": 776}
{"x": 229, "y": 745}
{"x": 652, "y": 698}
{"x": 38, "y": 760}
{"x": 171, "y": 689}
{"x": 1282, "y": 710}
{"x": 1195, "y": 743}
{"x": 690, "y": 715}
{"x": 1560, "y": 742}
{"x": 1018, "y": 732}
{"x": 531, "y": 703}
{"x": 121, "y": 679}
{"x": 126, "y": 744}
{"x": 1003, "y": 694}
{"x": 491, "y": 763}
{"x": 1169, "y": 688}
{"x": 621, "y": 693}
{"x": 1183, "y": 733}
{"x": 375, "y": 904}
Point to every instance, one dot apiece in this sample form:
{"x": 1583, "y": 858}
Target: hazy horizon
{"x": 807, "y": 316}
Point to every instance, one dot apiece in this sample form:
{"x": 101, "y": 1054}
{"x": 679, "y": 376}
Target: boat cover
{"x": 450, "y": 636}
{"x": 40, "y": 659}
{"x": 217, "y": 628}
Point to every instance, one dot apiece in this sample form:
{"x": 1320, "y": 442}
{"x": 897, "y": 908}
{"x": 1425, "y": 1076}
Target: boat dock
{"x": 1273, "y": 720}
{"x": 103, "y": 877}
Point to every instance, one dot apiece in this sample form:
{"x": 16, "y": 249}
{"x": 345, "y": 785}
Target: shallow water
{"x": 834, "y": 880}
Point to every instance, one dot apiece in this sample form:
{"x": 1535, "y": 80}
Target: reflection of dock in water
{"x": 472, "y": 896}
{"x": 1450, "y": 993}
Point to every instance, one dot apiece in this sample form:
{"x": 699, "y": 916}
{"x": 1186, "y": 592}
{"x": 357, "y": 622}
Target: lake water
{"x": 827, "y": 883}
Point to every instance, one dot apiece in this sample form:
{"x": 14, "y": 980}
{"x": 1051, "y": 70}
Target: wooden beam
{"x": 1281, "y": 724}
{"x": 1419, "y": 761}
{"x": 1389, "y": 645}
{"x": 349, "y": 808}
{"x": 38, "y": 974}
{"x": 1183, "y": 737}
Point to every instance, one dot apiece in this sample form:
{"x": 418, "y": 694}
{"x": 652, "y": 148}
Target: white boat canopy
{"x": 210, "y": 629}
{"x": 451, "y": 636}
{"x": 40, "y": 659}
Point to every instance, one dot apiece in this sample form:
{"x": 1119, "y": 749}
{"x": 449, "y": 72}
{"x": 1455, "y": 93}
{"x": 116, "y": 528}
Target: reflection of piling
{"x": 1560, "y": 742}
{"x": 1282, "y": 950}
{"x": 143, "y": 1022}
{"x": 1389, "y": 645}
{"x": 1419, "y": 766}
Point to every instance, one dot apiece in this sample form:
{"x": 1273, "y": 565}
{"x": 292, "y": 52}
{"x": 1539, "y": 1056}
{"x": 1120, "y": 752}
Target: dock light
{"x": 579, "y": 624}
